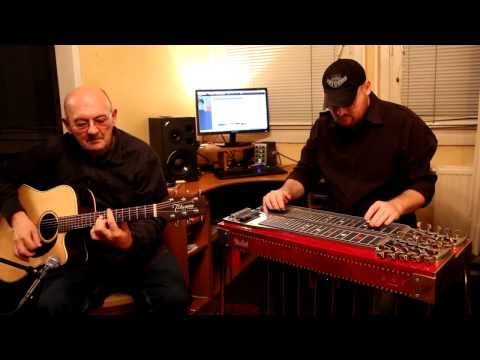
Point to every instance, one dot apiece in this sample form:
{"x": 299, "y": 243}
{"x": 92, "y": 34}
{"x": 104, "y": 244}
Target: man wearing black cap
{"x": 373, "y": 155}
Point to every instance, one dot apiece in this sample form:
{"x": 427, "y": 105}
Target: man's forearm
{"x": 294, "y": 188}
{"x": 408, "y": 201}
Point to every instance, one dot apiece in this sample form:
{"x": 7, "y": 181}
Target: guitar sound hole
{"x": 48, "y": 231}
{"x": 48, "y": 227}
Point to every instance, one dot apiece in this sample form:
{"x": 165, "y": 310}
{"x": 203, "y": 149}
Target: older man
{"x": 121, "y": 171}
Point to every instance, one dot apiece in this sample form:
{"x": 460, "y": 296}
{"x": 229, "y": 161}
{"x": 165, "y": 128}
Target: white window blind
{"x": 441, "y": 83}
{"x": 292, "y": 74}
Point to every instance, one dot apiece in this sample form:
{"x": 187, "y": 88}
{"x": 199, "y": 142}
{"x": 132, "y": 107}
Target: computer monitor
{"x": 232, "y": 111}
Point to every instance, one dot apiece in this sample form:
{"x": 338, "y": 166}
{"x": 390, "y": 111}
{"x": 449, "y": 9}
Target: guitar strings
{"x": 79, "y": 224}
{"x": 124, "y": 212}
{"x": 162, "y": 205}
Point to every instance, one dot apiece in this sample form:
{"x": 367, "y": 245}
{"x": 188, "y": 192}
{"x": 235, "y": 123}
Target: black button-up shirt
{"x": 388, "y": 152}
{"x": 130, "y": 174}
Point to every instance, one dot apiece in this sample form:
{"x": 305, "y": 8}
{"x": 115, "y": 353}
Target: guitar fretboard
{"x": 73, "y": 222}
{"x": 166, "y": 210}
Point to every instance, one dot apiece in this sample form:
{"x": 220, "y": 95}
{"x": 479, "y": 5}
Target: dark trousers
{"x": 158, "y": 287}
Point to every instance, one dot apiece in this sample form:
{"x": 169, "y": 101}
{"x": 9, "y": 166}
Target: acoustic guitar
{"x": 56, "y": 211}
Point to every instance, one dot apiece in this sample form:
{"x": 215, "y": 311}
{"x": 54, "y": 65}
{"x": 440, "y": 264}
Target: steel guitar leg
{"x": 269, "y": 289}
{"x": 396, "y": 306}
{"x": 283, "y": 293}
{"x": 467, "y": 292}
{"x": 223, "y": 238}
{"x": 299, "y": 311}
{"x": 332, "y": 298}
{"x": 354, "y": 301}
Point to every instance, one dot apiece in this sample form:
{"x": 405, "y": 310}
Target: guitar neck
{"x": 164, "y": 210}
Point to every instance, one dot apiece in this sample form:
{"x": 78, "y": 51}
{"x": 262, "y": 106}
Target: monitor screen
{"x": 232, "y": 111}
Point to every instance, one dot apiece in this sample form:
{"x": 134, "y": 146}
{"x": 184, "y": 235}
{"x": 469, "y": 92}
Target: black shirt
{"x": 386, "y": 153}
{"x": 130, "y": 174}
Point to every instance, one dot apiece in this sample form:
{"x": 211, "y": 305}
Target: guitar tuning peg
{"x": 458, "y": 235}
{"x": 447, "y": 232}
{"x": 419, "y": 225}
{"x": 429, "y": 227}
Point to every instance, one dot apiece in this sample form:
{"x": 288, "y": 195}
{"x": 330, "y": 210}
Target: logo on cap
{"x": 335, "y": 81}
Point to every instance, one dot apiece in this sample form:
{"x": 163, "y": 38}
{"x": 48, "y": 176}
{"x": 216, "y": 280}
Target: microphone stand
{"x": 52, "y": 263}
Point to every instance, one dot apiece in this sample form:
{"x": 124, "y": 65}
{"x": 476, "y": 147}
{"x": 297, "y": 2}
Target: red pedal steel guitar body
{"x": 395, "y": 258}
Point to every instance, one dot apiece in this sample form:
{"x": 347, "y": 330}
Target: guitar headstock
{"x": 182, "y": 208}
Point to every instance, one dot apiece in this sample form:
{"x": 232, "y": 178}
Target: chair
{"x": 115, "y": 304}
{"x": 122, "y": 303}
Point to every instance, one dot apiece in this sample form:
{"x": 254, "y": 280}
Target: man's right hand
{"x": 26, "y": 236}
{"x": 276, "y": 200}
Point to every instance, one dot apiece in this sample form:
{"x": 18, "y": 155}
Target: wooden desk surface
{"x": 208, "y": 181}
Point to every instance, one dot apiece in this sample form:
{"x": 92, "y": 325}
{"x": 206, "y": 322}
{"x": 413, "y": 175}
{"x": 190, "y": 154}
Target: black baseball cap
{"x": 341, "y": 81}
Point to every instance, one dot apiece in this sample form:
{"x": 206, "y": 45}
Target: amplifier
{"x": 266, "y": 153}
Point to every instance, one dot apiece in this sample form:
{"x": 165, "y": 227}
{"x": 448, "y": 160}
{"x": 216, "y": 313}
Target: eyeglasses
{"x": 84, "y": 124}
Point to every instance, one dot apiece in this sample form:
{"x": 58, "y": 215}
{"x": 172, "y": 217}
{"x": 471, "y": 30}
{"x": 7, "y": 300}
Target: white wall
{"x": 68, "y": 69}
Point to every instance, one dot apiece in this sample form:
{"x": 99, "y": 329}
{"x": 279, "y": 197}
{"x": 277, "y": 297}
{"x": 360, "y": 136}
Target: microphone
{"x": 52, "y": 263}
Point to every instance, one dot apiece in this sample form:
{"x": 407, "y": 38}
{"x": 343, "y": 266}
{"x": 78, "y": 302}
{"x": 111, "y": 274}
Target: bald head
{"x": 90, "y": 118}
{"x": 86, "y": 96}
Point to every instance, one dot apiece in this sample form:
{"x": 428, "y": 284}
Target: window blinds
{"x": 292, "y": 74}
{"x": 441, "y": 83}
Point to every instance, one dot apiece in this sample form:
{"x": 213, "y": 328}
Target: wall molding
{"x": 475, "y": 227}
{"x": 68, "y": 69}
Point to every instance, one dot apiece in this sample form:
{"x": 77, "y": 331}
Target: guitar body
{"x": 55, "y": 202}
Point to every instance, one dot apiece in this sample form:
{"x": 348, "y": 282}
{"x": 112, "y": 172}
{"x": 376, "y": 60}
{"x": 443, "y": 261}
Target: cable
{"x": 206, "y": 158}
{"x": 289, "y": 158}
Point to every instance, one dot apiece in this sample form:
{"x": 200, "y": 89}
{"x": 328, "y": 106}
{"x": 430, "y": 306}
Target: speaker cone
{"x": 180, "y": 163}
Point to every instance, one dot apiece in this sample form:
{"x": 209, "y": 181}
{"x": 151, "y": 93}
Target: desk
{"x": 208, "y": 181}
{"x": 195, "y": 244}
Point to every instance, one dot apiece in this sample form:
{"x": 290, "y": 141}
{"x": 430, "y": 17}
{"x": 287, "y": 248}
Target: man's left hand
{"x": 108, "y": 231}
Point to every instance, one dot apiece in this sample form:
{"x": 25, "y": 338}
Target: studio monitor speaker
{"x": 174, "y": 139}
